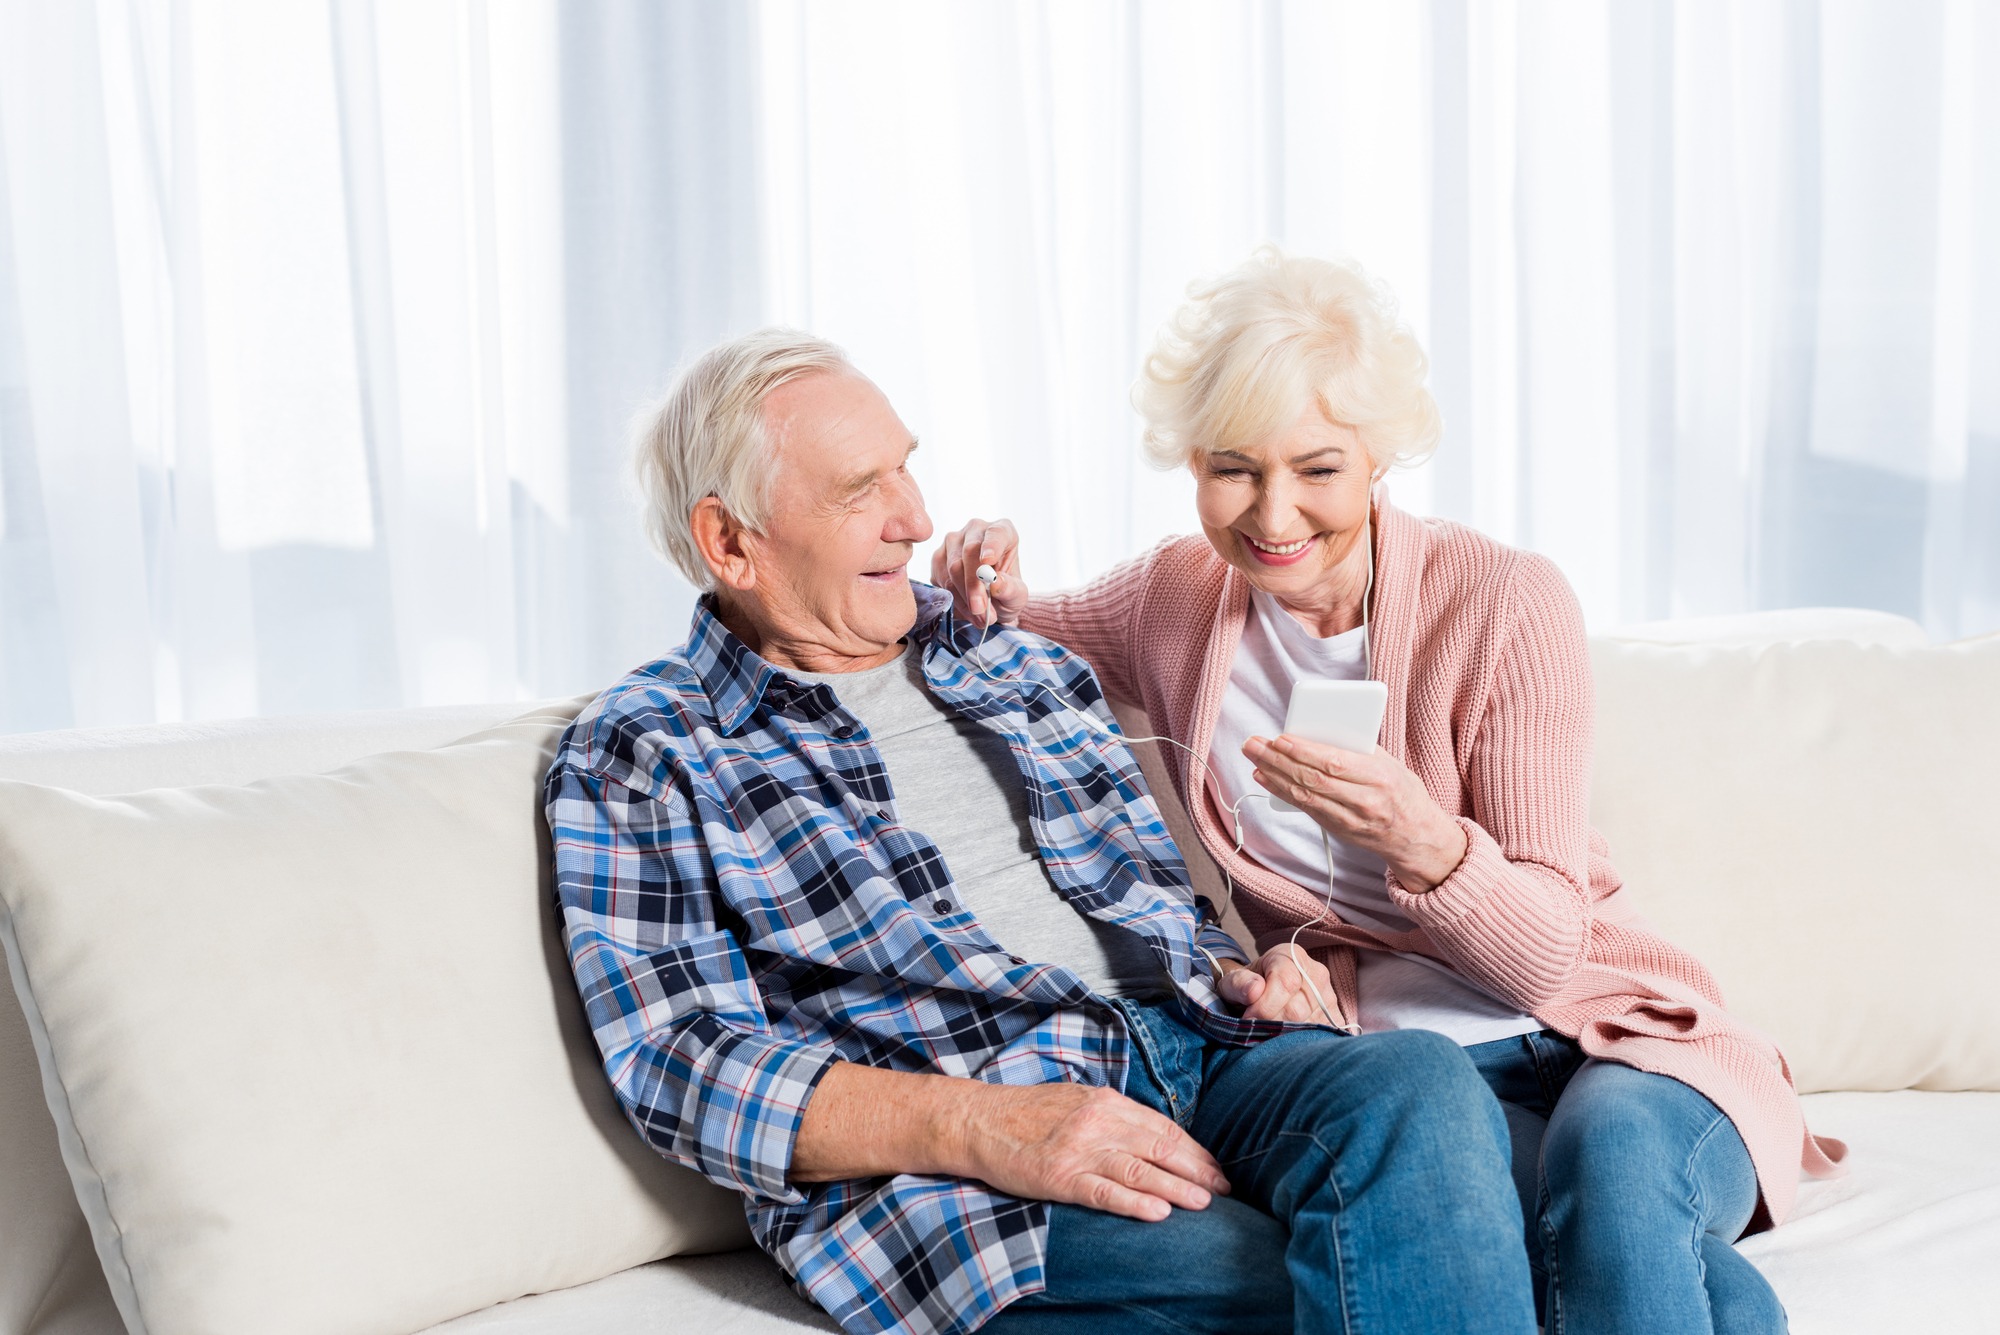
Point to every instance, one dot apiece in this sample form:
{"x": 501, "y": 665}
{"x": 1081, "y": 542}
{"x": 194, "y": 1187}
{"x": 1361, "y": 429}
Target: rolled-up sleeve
{"x": 1214, "y": 938}
{"x": 667, "y": 991}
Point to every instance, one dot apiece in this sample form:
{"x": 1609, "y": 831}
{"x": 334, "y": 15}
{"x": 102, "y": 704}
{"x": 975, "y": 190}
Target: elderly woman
{"x": 1449, "y": 880}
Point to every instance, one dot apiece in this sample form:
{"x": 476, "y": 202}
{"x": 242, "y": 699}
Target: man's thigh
{"x": 1392, "y": 1103}
{"x": 1219, "y": 1269}
{"x": 1306, "y": 1078}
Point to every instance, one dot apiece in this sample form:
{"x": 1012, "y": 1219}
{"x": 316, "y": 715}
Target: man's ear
{"x": 724, "y": 544}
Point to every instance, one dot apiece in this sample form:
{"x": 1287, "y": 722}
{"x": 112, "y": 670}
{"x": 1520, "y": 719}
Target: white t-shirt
{"x": 1398, "y": 990}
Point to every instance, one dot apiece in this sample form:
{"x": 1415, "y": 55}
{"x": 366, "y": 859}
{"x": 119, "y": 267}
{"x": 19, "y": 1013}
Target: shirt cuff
{"x": 754, "y": 1091}
{"x": 1219, "y": 943}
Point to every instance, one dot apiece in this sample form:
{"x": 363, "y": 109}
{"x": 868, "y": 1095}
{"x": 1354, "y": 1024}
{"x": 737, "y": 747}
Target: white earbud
{"x": 987, "y": 574}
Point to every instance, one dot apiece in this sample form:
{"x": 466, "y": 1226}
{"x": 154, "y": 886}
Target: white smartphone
{"x": 1346, "y": 714}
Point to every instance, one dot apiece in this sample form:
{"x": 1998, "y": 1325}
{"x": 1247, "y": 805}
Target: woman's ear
{"x": 724, "y": 544}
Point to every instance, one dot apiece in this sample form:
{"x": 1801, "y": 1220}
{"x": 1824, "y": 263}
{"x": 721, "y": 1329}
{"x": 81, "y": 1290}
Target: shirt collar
{"x": 738, "y": 682}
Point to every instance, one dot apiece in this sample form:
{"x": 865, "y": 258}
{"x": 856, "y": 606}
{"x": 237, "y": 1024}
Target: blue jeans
{"x": 1633, "y": 1186}
{"x": 1370, "y": 1195}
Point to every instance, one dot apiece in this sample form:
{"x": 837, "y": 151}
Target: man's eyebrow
{"x": 862, "y": 481}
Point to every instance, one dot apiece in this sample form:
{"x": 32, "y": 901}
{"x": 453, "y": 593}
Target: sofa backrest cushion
{"x": 46, "y": 1256}
{"x": 315, "y": 1055}
{"x": 1815, "y": 821}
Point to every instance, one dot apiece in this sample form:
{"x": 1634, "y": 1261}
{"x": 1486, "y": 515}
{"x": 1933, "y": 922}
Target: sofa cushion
{"x": 1901, "y": 1243}
{"x": 176, "y": 755}
{"x": 46, "y": 1255}
{"x": 741, "y": 1293}
{"x": 1815, "y": 821}
{"x": 316, "y": 1058}
{"x": 1905, "y": 1239}
{"x": 1788, "y": 625}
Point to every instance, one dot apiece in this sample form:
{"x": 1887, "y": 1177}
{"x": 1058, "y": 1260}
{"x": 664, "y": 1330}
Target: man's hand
{"x": 1279, "y": 986}
{"x": 1087, "y": 1146}
{"x": 1057, "y": 1142}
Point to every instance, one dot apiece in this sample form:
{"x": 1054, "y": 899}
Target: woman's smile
{"x": 1278, "y": 553}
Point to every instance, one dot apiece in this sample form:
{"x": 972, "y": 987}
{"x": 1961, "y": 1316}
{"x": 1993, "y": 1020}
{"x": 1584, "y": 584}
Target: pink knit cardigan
{"x": 1490, "y": 704}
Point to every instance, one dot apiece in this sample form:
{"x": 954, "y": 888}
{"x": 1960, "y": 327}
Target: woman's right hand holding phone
{"x": 955, "y": 567}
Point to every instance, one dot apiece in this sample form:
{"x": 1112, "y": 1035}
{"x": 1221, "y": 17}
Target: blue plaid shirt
{"x": 743, "y": 909}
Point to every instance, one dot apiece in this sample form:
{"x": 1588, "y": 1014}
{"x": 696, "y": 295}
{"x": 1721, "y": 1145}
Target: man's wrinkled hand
{"x": 1086, "y": 1146}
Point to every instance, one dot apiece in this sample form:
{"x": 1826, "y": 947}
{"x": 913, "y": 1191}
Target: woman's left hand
{"x": 1370, "y": 801}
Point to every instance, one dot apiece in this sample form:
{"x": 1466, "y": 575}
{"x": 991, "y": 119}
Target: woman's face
{"x": 1290, "y": 510}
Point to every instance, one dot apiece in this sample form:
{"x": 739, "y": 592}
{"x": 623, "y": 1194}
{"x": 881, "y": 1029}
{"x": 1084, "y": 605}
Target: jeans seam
{"x": 1340, "y": 1266}
{"x": 1158, "y": 1317}
{"x": 1339, "y": 1242}
{"x": 1542, "y": 1081}
{"x": 1554, "y": 1317}
{"x": 1695, "y": 1196}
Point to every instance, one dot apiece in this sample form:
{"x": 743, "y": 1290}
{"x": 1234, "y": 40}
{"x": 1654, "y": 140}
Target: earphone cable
{"x": 1235, "y": 809}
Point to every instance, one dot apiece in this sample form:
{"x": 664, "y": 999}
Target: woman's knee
{"x": 1740, "y": 1300}
{"x": 1628, "y": 1136}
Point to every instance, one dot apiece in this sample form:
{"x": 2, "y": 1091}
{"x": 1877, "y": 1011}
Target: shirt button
{"x": 843, "y": 731}
{"x": 942, "y": 906}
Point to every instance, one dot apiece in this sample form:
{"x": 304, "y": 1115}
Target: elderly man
{"x": 876, "y": 923}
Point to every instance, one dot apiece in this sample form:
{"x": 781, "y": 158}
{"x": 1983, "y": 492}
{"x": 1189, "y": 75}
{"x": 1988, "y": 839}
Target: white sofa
{"x": 1871, "y": 981}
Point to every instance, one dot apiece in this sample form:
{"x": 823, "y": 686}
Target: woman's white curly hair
{"x": 1246, "y": 352}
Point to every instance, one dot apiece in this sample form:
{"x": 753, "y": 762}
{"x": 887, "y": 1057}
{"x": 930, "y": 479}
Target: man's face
{"x": 832, "y": 588}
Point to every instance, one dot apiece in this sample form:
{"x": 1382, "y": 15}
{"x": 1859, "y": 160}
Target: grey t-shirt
{"x": 957, "y": 784}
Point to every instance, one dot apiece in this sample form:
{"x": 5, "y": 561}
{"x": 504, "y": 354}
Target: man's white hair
{"x": 1246, "y": 352}
{"x": 707, "y": 438}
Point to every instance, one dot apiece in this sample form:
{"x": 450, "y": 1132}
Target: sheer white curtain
{"x": 1708, "y": 317}
{"x": 319, "y": 327}
{"x": 320, "y": 322}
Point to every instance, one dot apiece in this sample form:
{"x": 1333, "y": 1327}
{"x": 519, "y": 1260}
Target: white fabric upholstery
{"x": 177, "y": 755}
{"x": 1793, "y": 625}
{"x": 1908, "y": 1239}
{"x": 47, "y": 1263}
{"x": 315, "y": 1056}
{"x": 1814, "y": 821}
{"x": 741, "y": 1293}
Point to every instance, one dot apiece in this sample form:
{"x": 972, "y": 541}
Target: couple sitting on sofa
{"x": 876, "y": 922}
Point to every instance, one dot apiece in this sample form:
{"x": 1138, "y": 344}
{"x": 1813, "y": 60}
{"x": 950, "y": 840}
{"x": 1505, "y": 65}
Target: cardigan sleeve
{"x": 1097, "y": 621}
{"x": 1515, "y": 914}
